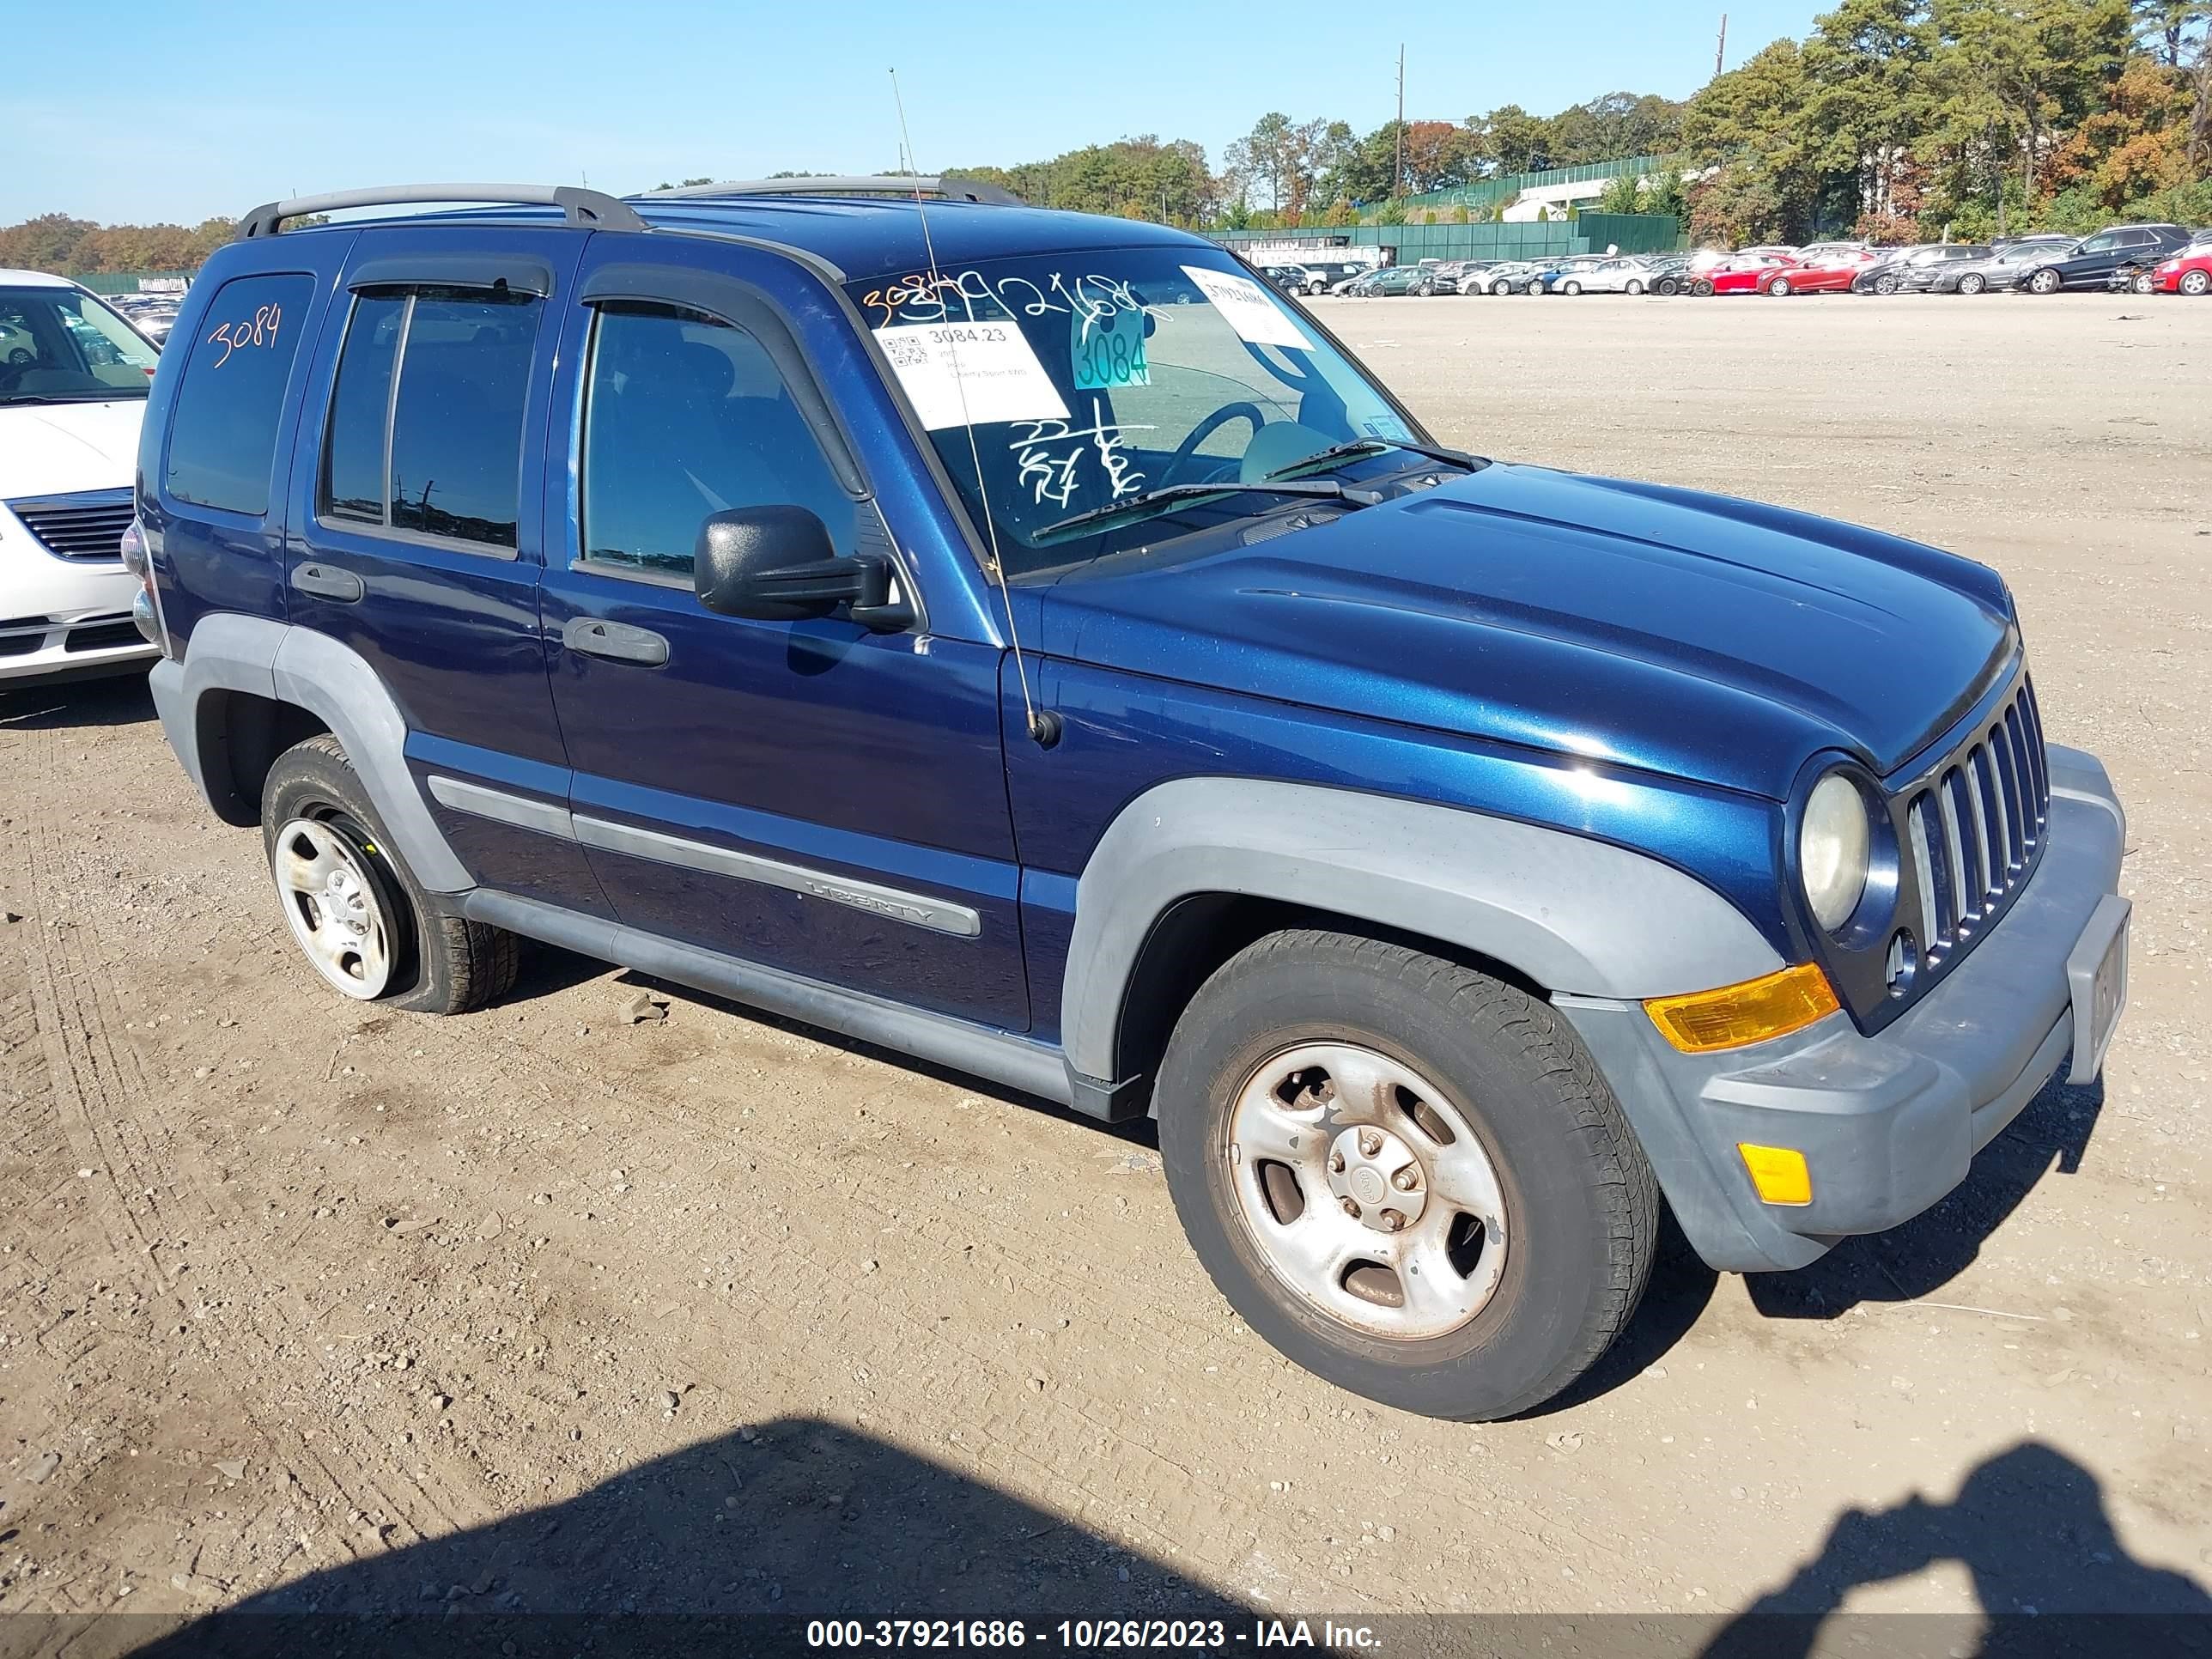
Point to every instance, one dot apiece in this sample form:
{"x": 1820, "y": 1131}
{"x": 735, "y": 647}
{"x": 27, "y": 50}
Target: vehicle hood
{"x": 1692, "y": 635}
{"x": 50, "y": 449}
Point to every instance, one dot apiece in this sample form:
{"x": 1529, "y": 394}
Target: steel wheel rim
{"x": 1326, "y": 1143}
{"x": 334, "y": 907}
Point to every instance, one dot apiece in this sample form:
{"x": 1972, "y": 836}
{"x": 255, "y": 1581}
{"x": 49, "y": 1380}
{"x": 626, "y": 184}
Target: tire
{"x": 1668, "y": 286}
{"x": 366, "y": 925}
{"x": 2043, "y": 282}
{"x": 1702, "y": 287}
{"x": 1779, "y": 288}
{"x": 1571, "y": 289}
{"x": 1634, "y": 287}
{"x": 2196, "y": 283}
{"x": 1973, "y": 282}
{"x": 1885, "y": 286}
{"x": 2143, "y": 283}
{"x": 1466, "y": 1075}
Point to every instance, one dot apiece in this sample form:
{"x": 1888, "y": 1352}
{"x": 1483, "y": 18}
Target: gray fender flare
{"x": 1574, "y": 914}
{"x": 231, "y": 652}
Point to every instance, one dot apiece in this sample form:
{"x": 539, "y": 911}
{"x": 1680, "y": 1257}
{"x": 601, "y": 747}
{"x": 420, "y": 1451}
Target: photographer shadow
{"x": 2050, "y": 1575}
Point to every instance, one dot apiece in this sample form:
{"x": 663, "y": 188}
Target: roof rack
{"x": 591, "y": 209}
{"x": 950, "y": 187}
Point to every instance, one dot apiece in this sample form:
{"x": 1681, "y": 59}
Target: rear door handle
{"x": 327, "y": 581}
{"x": 594, "y": 636}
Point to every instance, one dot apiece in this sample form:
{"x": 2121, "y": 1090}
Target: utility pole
{"x": 1720, "y": 51}
{"x": 1397, "y": 160}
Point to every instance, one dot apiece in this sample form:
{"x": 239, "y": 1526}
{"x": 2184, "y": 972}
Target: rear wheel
{"x": 360, "y": 918}
{"x": 1404, "y": 1175}
{"x": 2197, "y": 282}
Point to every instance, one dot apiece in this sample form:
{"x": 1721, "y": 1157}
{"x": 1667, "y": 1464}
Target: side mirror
{"x": 777, "y": 565}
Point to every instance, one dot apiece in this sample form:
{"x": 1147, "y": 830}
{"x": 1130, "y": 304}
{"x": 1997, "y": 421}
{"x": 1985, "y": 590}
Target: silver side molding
{"x": 893, "y": 903}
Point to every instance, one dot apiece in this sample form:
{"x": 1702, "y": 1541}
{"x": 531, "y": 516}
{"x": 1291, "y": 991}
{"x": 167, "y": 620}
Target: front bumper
{"x": 1887, "y": 1124}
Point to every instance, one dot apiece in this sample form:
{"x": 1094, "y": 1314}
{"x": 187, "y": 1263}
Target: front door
{"x": 809, "y": 796}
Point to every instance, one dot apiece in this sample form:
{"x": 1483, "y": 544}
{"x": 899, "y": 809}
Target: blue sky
{"x": 179, "y": 111}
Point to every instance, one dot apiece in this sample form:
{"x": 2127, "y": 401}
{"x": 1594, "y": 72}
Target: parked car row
{"x": 2137, "y": 258}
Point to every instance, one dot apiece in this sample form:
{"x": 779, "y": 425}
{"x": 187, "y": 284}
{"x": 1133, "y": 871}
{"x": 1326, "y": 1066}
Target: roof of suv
{"x": 864, "y": 237}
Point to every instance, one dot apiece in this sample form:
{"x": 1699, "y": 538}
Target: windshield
{"x": 1095, "y": 379}
{"x": 61, "y": 345}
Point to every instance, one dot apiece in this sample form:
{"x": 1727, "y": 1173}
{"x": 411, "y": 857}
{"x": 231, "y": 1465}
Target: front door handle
{"x": 594, "y": 636}
{"x": 327, "y": 581}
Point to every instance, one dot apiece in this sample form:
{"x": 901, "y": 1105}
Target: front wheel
{"x": 1571, "y": 288}
{"x": 360, "y": 918}
{"x": 1633, "y": 288}
{"x": 1973, "y": 282}
{"x": 1404, "y": 1175}
{"x": 1779, "y": 288}
{"x": 2043, "y": 282}
{"x": 2196, "y": 283}
{"x": 2143, "y": 283}
{"x": 1703, "y": 288}
{"x": 1885, "y": 285}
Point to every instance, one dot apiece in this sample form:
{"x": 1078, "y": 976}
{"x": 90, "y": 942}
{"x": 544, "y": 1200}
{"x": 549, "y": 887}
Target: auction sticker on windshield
{"x": 1107, "y": 352}
{"x": 1247, "y": 309}
{"x": 961, "y": 372}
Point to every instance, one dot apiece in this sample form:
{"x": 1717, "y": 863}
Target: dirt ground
{"x": 542, "y": 1308}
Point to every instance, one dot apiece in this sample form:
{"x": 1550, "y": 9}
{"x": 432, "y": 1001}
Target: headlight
{"x": 1834, "y": 849}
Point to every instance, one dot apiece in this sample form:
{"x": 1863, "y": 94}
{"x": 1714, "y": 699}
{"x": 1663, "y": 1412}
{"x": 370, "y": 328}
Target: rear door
{"x": 416, "y": 538}
{"x": 810, "y": 795}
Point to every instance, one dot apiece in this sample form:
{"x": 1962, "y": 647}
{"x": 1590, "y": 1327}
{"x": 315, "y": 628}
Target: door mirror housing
{"x": 778, "y": 564}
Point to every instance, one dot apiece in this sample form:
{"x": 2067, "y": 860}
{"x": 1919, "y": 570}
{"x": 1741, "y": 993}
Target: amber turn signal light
{"x": 1735, "y": 1015}
{"x": 1779, "y": 1172}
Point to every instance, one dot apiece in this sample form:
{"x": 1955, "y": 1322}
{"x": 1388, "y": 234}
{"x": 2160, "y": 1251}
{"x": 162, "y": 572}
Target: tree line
{"x": 1903, "y": 119}
{"x": 58, "y": 242}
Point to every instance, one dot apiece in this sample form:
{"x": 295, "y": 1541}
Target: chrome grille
{"x": 1973, "y": 827}
{"x": 86, "y": 527}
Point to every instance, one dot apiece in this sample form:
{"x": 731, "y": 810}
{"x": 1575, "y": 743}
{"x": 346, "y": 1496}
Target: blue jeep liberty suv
{"x": 1029, "y": 642}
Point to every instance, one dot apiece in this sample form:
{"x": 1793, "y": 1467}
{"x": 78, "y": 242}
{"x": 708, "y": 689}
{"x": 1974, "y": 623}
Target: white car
{"x": 73, "y": 382}
{"x": 1618, "y": 275}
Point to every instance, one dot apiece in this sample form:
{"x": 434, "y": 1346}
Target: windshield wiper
{"x": 1175, "y": 492}
{"x": 1376, "y": 445}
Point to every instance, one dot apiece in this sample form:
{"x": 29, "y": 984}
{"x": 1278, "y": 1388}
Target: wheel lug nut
{"x": 1336, "y": 1162}
{"x": 1351, "y": 1208}
{"x": 1369, "y": 1142}
{"x": 1392, "y": 1221}
{"x": 1406, "y": 1179}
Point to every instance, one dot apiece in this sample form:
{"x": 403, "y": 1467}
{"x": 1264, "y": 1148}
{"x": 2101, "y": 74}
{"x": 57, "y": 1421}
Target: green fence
{"x": 1592, "y": 232}
{"x": 127, "y": 282}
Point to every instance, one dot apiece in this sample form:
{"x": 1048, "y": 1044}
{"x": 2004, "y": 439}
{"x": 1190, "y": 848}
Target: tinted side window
{"x": 684, "y": 416}
{"x": 353, "y": 455}
{"x": 443, "y": 455}
{"x": 223, "y": 427}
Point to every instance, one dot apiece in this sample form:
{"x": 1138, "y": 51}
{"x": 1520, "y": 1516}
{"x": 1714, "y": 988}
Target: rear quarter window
{"x": 222, "y": 426}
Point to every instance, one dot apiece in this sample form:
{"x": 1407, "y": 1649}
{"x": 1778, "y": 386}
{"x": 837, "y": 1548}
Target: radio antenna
{"x": 1044, "y": 728}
